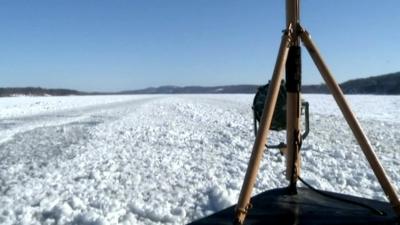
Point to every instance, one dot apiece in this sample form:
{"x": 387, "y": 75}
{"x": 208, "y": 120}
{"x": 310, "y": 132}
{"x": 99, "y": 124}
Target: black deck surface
{"x": 307, "y": 207}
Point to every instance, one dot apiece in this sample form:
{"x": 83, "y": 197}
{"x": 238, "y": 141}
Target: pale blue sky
{"x": 119, "y": 45}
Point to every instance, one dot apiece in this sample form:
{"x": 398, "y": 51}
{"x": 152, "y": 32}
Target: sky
{"x": 118, "y": 45}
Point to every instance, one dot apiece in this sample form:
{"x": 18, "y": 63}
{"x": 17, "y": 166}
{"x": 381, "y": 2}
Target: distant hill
{"x": 383, "y": 84}
{"x": 227, "y": 89}
{"x": 37, "y": 91}
{"x": 388, "y": 84}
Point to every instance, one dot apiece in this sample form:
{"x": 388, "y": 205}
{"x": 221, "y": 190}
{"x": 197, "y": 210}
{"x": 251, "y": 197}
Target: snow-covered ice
{"x": 169, "y": 159}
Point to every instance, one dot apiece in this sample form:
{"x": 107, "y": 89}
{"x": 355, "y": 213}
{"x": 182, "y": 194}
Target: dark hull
{"x": 307, "y": 207}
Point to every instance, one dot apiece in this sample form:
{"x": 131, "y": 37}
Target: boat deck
{"x": 307, "y": 207}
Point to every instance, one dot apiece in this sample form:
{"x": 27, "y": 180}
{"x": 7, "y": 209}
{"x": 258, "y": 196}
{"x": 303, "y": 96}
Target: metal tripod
{"x": 289, "y": 56}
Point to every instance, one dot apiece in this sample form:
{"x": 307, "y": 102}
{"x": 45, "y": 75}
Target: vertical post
{"x": 292, "y": 13}
{"x": 263, "y": 131}
{"x": 293, "y": 102}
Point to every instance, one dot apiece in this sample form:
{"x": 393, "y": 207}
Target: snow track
{"x": 168, "y": 158}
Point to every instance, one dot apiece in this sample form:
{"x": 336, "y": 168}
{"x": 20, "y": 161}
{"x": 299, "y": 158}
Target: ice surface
{"x": 169, "y": 159}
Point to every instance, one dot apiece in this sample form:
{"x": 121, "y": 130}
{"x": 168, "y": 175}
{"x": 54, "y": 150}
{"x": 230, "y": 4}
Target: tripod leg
{"x": 352, "y": 121}
{"x": 263, "y": 131}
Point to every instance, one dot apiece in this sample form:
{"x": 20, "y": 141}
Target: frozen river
{"x": 156, "y": 159}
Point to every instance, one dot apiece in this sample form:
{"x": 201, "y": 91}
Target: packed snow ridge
{"x": 169, "y": 159}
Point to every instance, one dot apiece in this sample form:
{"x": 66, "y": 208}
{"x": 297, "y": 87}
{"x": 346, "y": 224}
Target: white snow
{"x": 169, "y": 159}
